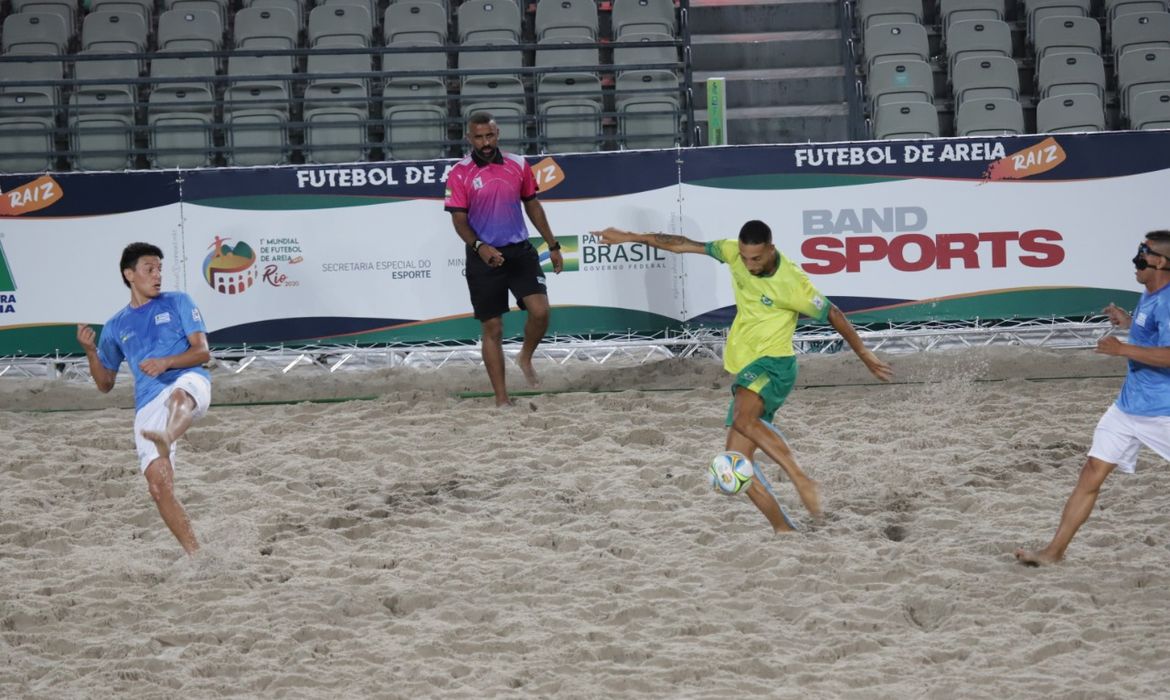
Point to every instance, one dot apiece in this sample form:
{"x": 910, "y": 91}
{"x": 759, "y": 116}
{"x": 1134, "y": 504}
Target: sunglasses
{"x": 1139, "y": 260}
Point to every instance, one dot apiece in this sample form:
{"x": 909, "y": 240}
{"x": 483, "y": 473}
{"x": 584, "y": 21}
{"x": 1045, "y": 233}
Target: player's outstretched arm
{"x": 872, "y": 362}
{"x": 662, "y": 241}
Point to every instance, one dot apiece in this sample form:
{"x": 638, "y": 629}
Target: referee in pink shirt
{"x": 484, "y": 194}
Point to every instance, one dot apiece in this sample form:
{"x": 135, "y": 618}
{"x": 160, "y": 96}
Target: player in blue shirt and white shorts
{"x": 162, "y": 337}
{"x": 1141, "y": 414}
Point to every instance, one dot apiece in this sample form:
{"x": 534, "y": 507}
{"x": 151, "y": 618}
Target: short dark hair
{"x": 755, "y": 232}
{"x": 1161, "y": 239}
{"x": 479, "y": 118}
{"x": 132, "y": 252}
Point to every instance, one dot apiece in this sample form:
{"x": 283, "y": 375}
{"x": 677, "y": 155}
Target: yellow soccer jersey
{"x": 766, "y": 307}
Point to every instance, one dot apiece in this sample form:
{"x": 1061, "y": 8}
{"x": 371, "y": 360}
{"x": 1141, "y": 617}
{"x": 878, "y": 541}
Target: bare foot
{"x": 810, "y": 496}
{"x": 506, "y": 403}
{"x": 162, "y": 442}
{"x": 1038, "y": 558}
{"x": 528, "y": 370}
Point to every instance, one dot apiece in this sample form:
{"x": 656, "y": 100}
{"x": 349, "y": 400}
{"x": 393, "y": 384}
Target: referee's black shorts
{"x": 489, "y": 286}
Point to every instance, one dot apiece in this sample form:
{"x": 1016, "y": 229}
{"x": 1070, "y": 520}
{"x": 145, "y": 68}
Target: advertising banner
{"x": 903, "y": 231}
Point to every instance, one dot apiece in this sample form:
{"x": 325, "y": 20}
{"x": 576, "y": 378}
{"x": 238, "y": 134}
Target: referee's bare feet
{"x": 528, "y": 370}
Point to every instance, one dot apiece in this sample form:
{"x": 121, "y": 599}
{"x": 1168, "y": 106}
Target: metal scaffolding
{"x": 623, "y": 349}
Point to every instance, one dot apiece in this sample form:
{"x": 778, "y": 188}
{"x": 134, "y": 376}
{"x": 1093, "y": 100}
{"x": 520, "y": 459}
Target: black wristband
{"x": 556, "y": 245}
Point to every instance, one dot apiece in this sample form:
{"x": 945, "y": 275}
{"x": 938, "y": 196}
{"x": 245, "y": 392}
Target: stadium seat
{"x": 336, "y": 112}
{"x": 189, "y": 30}
{"x": 1138, "y": 31}
{"x": 415, "y": 106}
{"x": 567, "y": 19}
{"x": 370, "y": 6}
{"x": 951, "y": 11}
{"x": 643, "y": 16}
{"x": 26, "y": 144}
{"x": 294, "y": 7}
{"x": 648, "y": 109}
{"x": 34, "y": 99}
{"x": 989, "y": 116}
{"x": 415, "y": 22}
{"x": 503, "y": 97}
{"x": 977, "y": 37}
{"x": 34, "y": 34}
{"x": 180, "y": 118}
{"x": 1070, "y": 113}
{"x": 101, "y": 125}
{"x": 1117, "y": 8}
{"x": 906, "y": 120}
{"x": 1150, "y": 109}
{"x": 489, "y": 21}
{"x": 259, "y": 27}
{"x": 1070, "y": 74}
{"x": 870, "y": 12}
{"x": 219, "y": 8}
{"x": 255, "y": 117}
{"x": 113, "y": 31}
{"x": 900, "y": 81}
{"x": 340, "y": 26}
{"x": 1067, "y": 34}
{"x": 66, "y": 9}
{"x": 896, "y": 41}
{"x": 1141, "y": 71}
{"x": 569, "y": 103}
{"x": 986, "y": 76}
{"x": 1038, "y": 10}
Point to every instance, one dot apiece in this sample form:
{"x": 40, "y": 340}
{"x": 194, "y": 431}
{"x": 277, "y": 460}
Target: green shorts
{"x": 772, "y": 378}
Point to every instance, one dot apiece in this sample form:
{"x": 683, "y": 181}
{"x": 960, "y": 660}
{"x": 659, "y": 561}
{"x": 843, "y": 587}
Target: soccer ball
{"x": 730, "y": 473}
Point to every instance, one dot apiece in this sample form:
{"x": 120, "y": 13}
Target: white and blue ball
{"x": 730, "y": 473}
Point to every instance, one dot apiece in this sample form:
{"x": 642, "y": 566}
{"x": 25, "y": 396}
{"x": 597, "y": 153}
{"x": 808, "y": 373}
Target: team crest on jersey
{"x": 164, "y": 317}
{"x": 765, "y": 300}
{"x": 195, "y": 315}
{"x": 1140, "y": 319}
{"x": 819, "y": 302}
{"x": 477, "y": 183}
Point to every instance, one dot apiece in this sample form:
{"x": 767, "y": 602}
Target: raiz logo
{"x": 570, "y": 247}
{"x": 7, "y": 285}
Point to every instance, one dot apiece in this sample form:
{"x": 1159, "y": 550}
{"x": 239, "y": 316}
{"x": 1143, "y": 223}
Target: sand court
{"x": 417, "y": 544}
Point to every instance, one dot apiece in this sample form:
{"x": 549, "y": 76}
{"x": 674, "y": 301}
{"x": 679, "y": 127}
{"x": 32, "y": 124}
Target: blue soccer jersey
{"x": 1146, "y": 391}
{"x": 158, "y": 328}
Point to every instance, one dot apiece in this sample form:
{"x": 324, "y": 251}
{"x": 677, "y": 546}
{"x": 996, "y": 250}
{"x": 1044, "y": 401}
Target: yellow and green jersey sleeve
{"x": 767, "y": 308}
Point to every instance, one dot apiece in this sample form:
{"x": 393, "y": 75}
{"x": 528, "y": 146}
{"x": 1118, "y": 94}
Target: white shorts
{"x": 153, "y": 416}
{"x": 1119, "y": 435}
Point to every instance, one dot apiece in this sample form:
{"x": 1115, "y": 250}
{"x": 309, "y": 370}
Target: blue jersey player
{"x": 1141, "y": 414}
{"x": 162, "y": 337}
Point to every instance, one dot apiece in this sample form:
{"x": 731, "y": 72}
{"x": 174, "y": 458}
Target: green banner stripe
{"x": 791, "y": 182}
{"x": 278, "y": 202}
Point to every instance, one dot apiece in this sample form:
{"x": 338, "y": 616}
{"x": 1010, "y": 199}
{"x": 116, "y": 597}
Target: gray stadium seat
{"x": 885, "y": 11}
{"x": 1067, "y": 34}
{"x": 1140, "y": 71}
{"x": 371, "y": 6}
{"x": 100, "y": 128}
{"x": 905, "y": 120}
{"x": 35, "y": 99}
{"x": 415, "y": 106}
{"x": 172, "y": 72}
{"x": 334, "y": 65}
{"x": 951, "y": 11}
{"x": 113, "y": 31}
{"x": 986, "y": 76}
{"x": 504, "y": 98}
{"x": 1150, "y": 110}
{"x": 977, "y": 37}
{"x": 118, "y": 74}
{"x": 145, "y": 8}
{"x": 26, "y": 144}
{"x": 896, "y": 41}
{"x": 900, "y": 81}
{"x": 989, "y": 116}
{"x": 294, "y": 7}
{"x": 180, "y": 119}
{"x": 648, "y": 109}
{"x": 566, "y": 18}
{"x": 489, "y": 21}
{"x": 189, "y": 30}
{"x": 219, "y": 8}
{"x": 1071, "y": 73}
{"x": 569, "y": 103}
{"x": 1037, "y": 11}
{"x": 415, "y": 22}
{"x": 259, "y": 27}
{"x": 623, "y": 57}
{"x": 1138, "y": 31}
{"x": 67, "y": 9}
{"x": 340, "y": 26}
{"x": 34, "y": 34}
{"x": 1070, "y": 113}
{"x": 255, "y": 118}
{"x": 480, "y": 66}
{"x": 336, "y": 112}
{"x": 1116, "y": 8}
{"x": 643, "y": 16}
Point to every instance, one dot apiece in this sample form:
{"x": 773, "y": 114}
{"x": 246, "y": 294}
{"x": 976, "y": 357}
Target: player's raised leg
{"x": 746, "y": 420}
